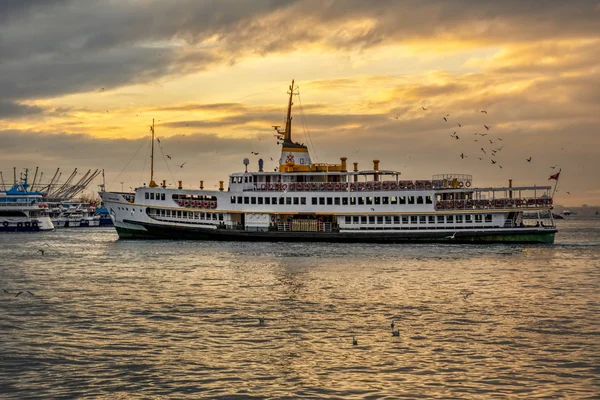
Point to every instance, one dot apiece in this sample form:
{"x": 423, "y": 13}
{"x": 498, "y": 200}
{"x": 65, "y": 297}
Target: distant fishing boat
{"x": 307, "y": 201}
{"x": 22, "y": 210}
{"x": 73, "y": 214}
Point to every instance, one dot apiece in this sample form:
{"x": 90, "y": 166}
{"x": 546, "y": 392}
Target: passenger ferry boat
{"x": 22, "y": 210}
{"x": 306, "y": 201}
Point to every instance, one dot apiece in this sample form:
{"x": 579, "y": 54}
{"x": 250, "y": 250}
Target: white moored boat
{"x": 306, "y": 201}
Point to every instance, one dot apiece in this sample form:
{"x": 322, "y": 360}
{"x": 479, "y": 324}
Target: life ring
{"x": 468, "y": 183}
{"x": 284, "y": 186}
{"x": 394, "y": 186}
{"x": 5, "y": 224}
{"x": 291, "y": 187}
{"x": 330, "y": 186}
{"x": 337, "y": 186}
{"x": 518, "y": 202}
{"x": 270, "y": 186}
{"x": 540, "y": 202}
{"x": 498, "y": 203}
{"x": 187, "y": 203}
{"x": 213, "y": 204}
{"x": 459, "y": 204}
{"x": 306, "y": 186}
{"x": 206, "y": 204}
{"x": 193, "y": 203}
{"x": 461, "y": 184}
{"x": 298, "y": 186}
{"x": 409, "y": 185}
{"x": 361, "y": 186}
{"x": 470, "y": 203}
{"x": 439, "y": 205}
{"x": 377, "y": 185}
{"x": 353, "y": 186}
{"x": 489, "y": 203}
{"x": 27, "y": 223}
{"x": 322, "y": 186}
{"x": 263, "y": 186}
{"x": 180, "y": 202}
{"x": 314, "y": 186}
{"x": 369, "y": 186}
{"x": 385, "y": 186}
{"x": 344, "y": 186}
{"x": 531, "y": 202}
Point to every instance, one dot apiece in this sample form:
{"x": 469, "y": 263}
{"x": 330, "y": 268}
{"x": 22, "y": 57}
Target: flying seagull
{"x": 529, "y": 159}
{"x": 483, "y": 111}
{"x": 483, "y": 151}
{"x": 181, "y": 166}
{"x": 459, "y": 125}
{"x": 169, "y": 157}
{"x": 554, "y": 166}
{"x": 254, "y": 152}
{"x": 493, "y": 161}
{"x": 462, "y": 155}
{"x": 487, "y": 127}
{"x": 424, "y": 109}
{"x": 445, "y": 119}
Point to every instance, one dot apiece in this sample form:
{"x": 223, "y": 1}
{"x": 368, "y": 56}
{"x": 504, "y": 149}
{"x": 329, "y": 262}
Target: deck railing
{"x": 520, "y": 203}
{"x": 353, "y": 186}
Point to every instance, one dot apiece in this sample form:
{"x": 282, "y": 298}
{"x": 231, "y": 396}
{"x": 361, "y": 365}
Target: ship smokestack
{"x": 355, "y": 170}
{"x": 164, "y": 185}
{"x": 343, "y": 159}
{"x": 221, "y": 186}
{"x": 180, "y": 186}
{"x": 376, "y": 168}
{"x": 510, "y": 194}
{"x": 201, "y": 184}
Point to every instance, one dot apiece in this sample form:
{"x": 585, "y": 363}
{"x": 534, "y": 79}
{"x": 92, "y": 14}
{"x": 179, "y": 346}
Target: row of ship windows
{"x": 333, "y": 201}
{"x": 189, "y": 215}
{"x": 155, "y": 196}
{"x": 420, "y": 219}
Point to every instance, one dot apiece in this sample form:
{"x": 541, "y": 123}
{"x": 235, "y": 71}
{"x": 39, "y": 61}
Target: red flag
{"x": 555, "y": 176}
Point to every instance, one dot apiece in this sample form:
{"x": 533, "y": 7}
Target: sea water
{"x": 109, "y": 318}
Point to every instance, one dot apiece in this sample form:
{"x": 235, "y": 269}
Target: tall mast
{"x": 288, "y": 123}
{"x": 152, "y": 183}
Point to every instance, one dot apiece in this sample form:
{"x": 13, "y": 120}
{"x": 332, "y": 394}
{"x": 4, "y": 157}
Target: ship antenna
{"x": 152, "y": 183}
{"x": 288, "y": 123}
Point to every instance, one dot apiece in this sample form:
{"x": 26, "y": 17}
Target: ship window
{"x": 371, "y": 219}
{"x": 431, "y": 219}
{"x": 385, "y": 200}
{"x": 396, "y": 219}
{"x": 252, "y": 200}
{"x": 250, "y": 178}
{"x": 428, "y": 200}
{"x": 246, "y": 200}
{"x": 352, "y": 201}
{"x": 422, "y": 219}
{"x": 329, "y": 201}
{"x": 361, "y": 201}
{"x": 147, "y": 195}
{"x": 303, "y": 201}
{"x": 232, "y": 199}
{"x": 377, "y": 200}
{"x": 449, "y": 218}
{"x": 363, "y": 219}
{"x": 388, "y": 219}
{"x": 245, "y": 179}
{"x": 402, "y": 199}
{"x": 459, "y": 219}
{"x": 301, "y": 160}
{"x": 393, "y": 200}
{"x": 380, "y": 219}
{"x": 281, "y": 200}
{"x": 348, "y": 220}
{"x": 214, "y": 217}
{"x": 314, "y": 201}
{"x": 488, "y": 217}
{"x": 405, "y": 219}
{"x": 478, "y": 218}
{"x": 369, "y": 201}
{"x": 336, "y": 201}
{"x": 296, "y": 201}
{"x": 322, "y": 201}
{"x": 260, "y": 200}
{"x": 233, "y": 179}
{"x": 267, "y": 200}
{"x": 273, "y": 200}
{"x": 411, "y": 199}
{"x": 355, "y": 219}
{"x": 413, "y": 219}
{"x": 239, "y": 179}
{"x": 440, "y": 219}
{"x": 288, "y": 201}
{"x": 344, "y": 201}
{"x": 469, "y": 218}
{"x": 220, "y": 217}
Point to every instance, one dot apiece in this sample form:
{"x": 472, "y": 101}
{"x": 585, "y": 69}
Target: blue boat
{"x": 22, "y": 210}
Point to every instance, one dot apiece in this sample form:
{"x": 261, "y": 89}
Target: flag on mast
{"x": 555, "y": 176}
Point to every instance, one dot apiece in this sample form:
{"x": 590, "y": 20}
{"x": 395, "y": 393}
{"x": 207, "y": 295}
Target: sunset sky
{"x": 81, "y": 82}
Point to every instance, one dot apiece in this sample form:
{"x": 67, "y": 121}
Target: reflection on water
{"x": 181, "y": 319}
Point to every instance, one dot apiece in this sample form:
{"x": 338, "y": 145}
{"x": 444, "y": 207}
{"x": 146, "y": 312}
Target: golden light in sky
{"x": 82, "y": 82}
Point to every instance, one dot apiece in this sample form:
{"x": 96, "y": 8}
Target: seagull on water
{"x": 451, "y": 237}
{"x": 466, "y": 295}
{"x": 392, "y": 324}
{"x": 261, "y": 321}
{"x": 41, "y": 251}
{"x": 396, "y": 333}
{"x": 24, "y": 291}
{"x": 354, "y": 341}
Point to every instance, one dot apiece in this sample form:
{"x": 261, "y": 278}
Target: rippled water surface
{"x": 136, "y": 319}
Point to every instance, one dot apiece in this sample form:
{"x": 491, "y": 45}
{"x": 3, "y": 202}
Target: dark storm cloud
{"x": 49, "y": 48}
{"x": 10, "y": 109}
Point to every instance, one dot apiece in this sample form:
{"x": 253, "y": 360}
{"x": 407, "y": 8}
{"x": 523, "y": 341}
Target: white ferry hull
{"x": 26, "y": 224}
